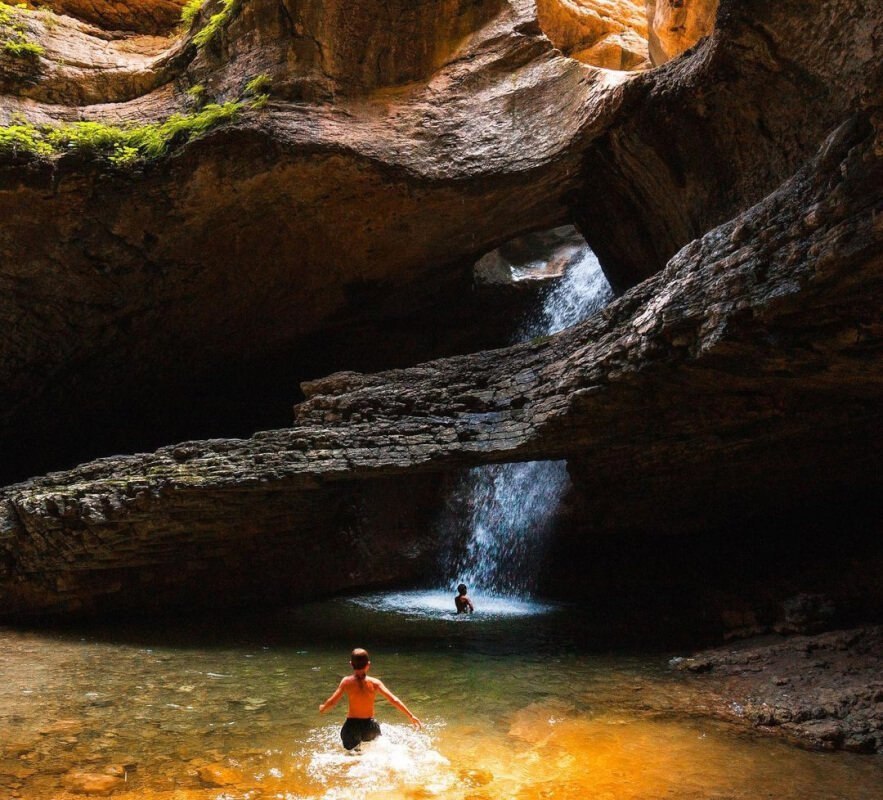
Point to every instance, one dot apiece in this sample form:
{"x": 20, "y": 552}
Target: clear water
{"x": 517, "y": 703}
{"x": 509, "y": 508}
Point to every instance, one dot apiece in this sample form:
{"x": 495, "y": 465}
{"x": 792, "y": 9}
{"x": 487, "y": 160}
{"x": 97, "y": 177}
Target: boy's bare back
{"x": 360, "y": 691}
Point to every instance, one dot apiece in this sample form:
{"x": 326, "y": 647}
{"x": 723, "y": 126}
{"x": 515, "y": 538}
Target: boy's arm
{"x": 397, "y": 703}
{"x": 332, "y": 701}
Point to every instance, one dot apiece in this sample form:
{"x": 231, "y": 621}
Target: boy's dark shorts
{"x": 356, "y": 730}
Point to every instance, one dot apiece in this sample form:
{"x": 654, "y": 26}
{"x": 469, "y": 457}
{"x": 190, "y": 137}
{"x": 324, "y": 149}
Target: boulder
{"x": 93, "y": 784}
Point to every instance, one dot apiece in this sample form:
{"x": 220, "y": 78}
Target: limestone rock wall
{"x": 144, "y": 298}
{"x": 318, "y": 51}
{"x": 676, "y": 25}
{"x": 691, "y": 152}
{"x": 282, "y": 548}
{"x": 365, "y": 46}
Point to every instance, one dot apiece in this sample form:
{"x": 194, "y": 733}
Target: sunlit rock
{"x": 535, "y": 256}
{"x": 219, "y": 775}
{"x": 676, "y": 25}
{"x": 94, "y": 784}
{"x": 606, "y": 33}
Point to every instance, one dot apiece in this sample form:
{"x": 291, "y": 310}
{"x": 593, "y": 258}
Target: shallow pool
{"x": 517, "y": 701}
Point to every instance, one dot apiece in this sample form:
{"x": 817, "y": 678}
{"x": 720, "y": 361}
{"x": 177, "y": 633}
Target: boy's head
{"x": 461, "y": 589}
{"x": 359, "y": 659}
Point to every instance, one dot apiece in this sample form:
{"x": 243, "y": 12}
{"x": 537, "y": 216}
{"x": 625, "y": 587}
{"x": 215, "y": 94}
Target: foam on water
{"x": 439, "y": 604}
{"x": 401, "y": 758}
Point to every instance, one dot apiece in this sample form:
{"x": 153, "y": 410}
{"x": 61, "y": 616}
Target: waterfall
{"x": 509, "y": 508}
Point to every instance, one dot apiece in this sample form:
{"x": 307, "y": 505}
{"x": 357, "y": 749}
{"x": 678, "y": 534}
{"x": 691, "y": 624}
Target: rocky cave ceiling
{"x": 398, "y": 144}
{"x": 331, "y": 218}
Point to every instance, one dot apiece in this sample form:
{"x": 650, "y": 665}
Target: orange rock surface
{"x": 676, "y": 25}
{"x": 607, "y": 33}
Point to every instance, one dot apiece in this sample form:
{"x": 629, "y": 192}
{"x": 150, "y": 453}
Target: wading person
{"x": 360, "y": 690}
{"x": 462, "y": 601}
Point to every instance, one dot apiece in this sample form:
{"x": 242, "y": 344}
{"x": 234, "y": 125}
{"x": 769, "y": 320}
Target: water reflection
{"x": 518, "y": 706}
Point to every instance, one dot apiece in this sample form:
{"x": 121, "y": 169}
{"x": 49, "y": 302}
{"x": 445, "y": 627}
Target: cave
{"x": 314, "y": 311}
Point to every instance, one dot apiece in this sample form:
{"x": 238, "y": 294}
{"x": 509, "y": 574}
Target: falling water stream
{"x": 509, "y": 508}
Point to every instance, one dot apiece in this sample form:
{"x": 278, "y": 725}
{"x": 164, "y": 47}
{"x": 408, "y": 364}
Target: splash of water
{"x": 510, "y": 508}
{"x": 401, "y": 759}
{"x": 438, "y": 605}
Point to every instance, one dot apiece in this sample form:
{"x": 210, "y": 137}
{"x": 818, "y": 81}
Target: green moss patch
{"x": 14, "y": 37}
{"x": 216, "y": 22}
{"x": 190, "y": 11}
{"x": 123, "y": 146}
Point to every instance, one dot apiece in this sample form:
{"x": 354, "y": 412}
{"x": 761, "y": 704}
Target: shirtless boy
{"x": 462, "y": 601}
{"x": 360, "y": 690}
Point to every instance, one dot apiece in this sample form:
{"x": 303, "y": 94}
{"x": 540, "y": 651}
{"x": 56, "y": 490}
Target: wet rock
{"x": 535, "y": 723}
{"x": 20, "y": 773}
{"x": 63, "y": 726}
{"x": 95, "y": 784}
{"x": 770, "y": 687}
{"x": 14, "y": 749}
{"x": 219, "y": 775}
{"x": 476, "y": 777}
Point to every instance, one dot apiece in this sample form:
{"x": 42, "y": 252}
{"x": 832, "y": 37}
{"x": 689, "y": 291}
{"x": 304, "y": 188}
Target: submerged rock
{"x": 219, "y": 775}
{"x": 94, "y": 784}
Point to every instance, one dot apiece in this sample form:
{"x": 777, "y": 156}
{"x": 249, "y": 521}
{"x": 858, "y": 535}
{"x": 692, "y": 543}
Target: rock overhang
{"x": 625, "y": 166}
{"x": 756, "y": 336}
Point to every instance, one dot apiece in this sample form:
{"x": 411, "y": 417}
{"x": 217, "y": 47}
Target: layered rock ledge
{"x": 749, "y": 367}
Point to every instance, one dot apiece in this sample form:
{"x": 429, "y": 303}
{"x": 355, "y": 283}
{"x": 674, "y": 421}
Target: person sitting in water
{"x": 360, "y": 725}
{"x": 462, "y": 601}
